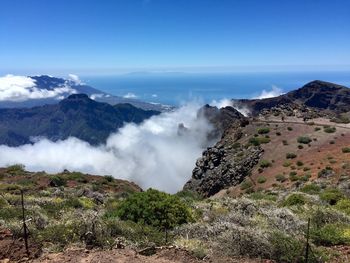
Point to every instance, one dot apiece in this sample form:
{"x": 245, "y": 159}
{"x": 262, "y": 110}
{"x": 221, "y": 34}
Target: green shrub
{"x": 285, "y": 248}
{"x": 346, "y": 150}
{"x": 317, "y": 128}
{"x": 246, "y": 184}
{"x": 294, "y": 199}
{"x": 300, "y": 163}
{"x": 278, "y": 134}
{"x": 293, "y": 176}
{"x": 263, "y": 130}
{"x": 280, "y": 178}
{"x": 285, "y": 142}
{"x": 109, "y": 178}
{"x": 256, "y": 141}
{"x": 343, "y": 205}
{"x": 326, "y": 172}
{"x": 16, "y": 169}
{"x": 300, "y": 147}
{"x": 289, "y": 128}
{"x": 304, "y": 139}
{"x": 311, "y": 189}
{"x": 329, "y": 129}
{"x": 261, "y": 179}
{"x": 287, "y": 164}
{"x": 331, "y": 195}
{"x": 57, "y": 181}
{"x": 263, "y": 196}
{"x": 265, "y": 164}
{"x": 155, "y": 208}
{"x": 331, "y": 235}
{"x": 291, "y": 155}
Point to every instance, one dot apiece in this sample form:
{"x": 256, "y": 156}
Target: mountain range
{"x": 61, "y": 88}
{"x": 77, "y": 116}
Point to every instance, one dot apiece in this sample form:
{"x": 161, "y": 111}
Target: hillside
{"x": 77, "y": 116}
{"x": 314, "y": 99}
{"x": 274, "y": 184}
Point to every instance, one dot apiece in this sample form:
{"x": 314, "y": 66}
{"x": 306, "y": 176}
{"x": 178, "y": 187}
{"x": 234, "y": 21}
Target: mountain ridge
{"x": 77, "y": 116}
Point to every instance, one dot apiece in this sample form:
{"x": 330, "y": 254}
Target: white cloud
{"x": 152, "y": 154}
{"x": 221, "y": 103}
{"x": 75, "y": 79}
{"x": 96, "y": 96}
{"x": 21, "y": 88}
{"x": 154, "y": 95}
{"x": 130, "y": 95}
{"x": 274, "y": 92}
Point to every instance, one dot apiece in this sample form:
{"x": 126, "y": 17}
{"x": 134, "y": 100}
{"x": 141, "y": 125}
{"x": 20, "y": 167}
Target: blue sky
{"x": 94, "y": 36}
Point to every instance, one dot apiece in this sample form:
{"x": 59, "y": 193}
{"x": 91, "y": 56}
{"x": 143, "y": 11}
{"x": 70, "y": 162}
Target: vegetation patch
{"x": 291, "y": 155}
{"x": 304, "y": 139}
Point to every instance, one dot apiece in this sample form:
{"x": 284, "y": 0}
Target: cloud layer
{"x": 22, "y": 88}
{"x": 130, "y": 95}
{"x": 274, "y": 92}
{"x": 153, "y": 154}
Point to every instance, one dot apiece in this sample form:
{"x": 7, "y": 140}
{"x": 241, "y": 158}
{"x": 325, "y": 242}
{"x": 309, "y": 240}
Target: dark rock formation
{"x": 222, "y": 166}
{"x": 222, "y": 119}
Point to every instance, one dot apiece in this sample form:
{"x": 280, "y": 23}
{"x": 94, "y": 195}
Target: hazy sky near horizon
{"x": 95, "y": 36}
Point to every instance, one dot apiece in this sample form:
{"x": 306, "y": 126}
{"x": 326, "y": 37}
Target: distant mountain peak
{"x": 78, "y": 96}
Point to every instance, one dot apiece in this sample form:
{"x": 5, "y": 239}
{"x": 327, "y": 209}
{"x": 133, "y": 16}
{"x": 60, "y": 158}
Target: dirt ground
{"x": 173, "y": 255}
{"x": 324, "y": 151}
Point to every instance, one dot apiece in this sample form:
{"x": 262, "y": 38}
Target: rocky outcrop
{"x": 224, "y": 165}
{"x": 222, "y": 119}
{"x": 227, "y": 163}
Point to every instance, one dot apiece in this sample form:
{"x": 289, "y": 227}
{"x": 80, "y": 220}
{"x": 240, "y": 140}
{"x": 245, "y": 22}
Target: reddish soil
{"x": 14, "y": 250}
{"x": 324, "y": 151}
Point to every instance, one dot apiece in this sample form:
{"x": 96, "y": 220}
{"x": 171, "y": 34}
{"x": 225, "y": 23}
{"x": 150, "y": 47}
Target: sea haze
{"x": 175, "y": 88}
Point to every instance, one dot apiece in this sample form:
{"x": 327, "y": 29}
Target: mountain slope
{"x": 316, "y": 97}
{"x": 76, "y": 116}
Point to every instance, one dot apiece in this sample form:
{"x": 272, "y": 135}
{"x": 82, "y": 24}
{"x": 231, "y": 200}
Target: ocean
{"x": 177, "y": 88}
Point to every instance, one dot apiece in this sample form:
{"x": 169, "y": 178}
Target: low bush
{"x": 291, "y": 155}
{"x": 246, "y": 184}
{"x": 289, "y": 128}
{"x": 256, "y": 141}
{"x": 300, "y": 163}
{"x": 304, "y": 139}
{"x": 280, "y": 178}
{"x": 57, "y": 181}
{"x": 311, "y": 189}
{"x": 265, "y": 164}
{"x": 263, "y": 196}
{"x": 346, "y": 150}
{"x": 285, "y": 248}
{"x": 287, "y": 164}
{"x": 331, "y": 235}
{"x": 263, "y": 130}
{"x": 331, "y": 195}
{"x": 155, "y": 208}
{"x": 261, "y": 179}
{"x": 329, "y": 129}
{"x": 294, "y": 199}
{"x": 343, "y": 205}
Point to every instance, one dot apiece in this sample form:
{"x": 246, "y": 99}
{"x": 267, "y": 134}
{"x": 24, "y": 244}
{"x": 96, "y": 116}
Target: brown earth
{"x": 12, "y": 250}
{"x": 173, "y": 255}
{"x": 324, "y": 151}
